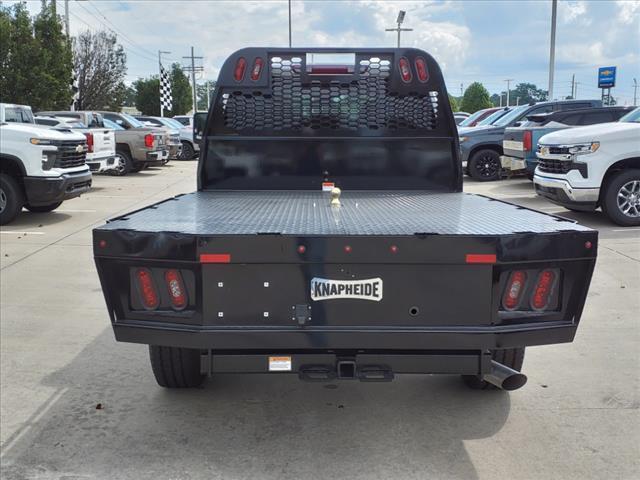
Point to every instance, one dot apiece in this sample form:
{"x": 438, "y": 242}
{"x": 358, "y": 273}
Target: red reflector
{"x": 177, "y": 292}
{"x": 480, "y": 258}
{"x": 241, "y": 65}
{"x": 148, "y": 140}
{"x": 421, "y": 69}
{"x": 526, "y": 140}
{"x": 543, "y": 290}
{"x": 514, "y": 289}
{"x": 329, "y": 70}
{"x": 302, "y": 249}
{"x": 393, "y": 248}
{"x": 147, "y": 289}
{"x": 89, "y": 142}
{"x": 257, "y": 69}
{"x": 215, "y": 257}
{"x": 405, "y": 69}
{"x": 347, "y": 249}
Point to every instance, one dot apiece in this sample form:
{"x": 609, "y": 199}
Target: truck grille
{"x": 361, "y": 104}
{"x": 67, "y": 156}
{"x": 554, "y": 166}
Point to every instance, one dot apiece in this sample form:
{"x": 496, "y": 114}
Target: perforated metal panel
{"x": 361, "y": 213}
{"x": 363, "y": 103}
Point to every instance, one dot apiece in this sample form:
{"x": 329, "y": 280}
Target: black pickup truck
{"x": 330, "y": 237}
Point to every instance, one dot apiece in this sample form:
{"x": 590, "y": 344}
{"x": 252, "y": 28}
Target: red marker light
{"x": 102, "y": 243}
{"x": 241, "y": 65}
{"x": 543, "y": 290}
{"x": 514, "y": 289}
{"x": 147, "y": 289}
{"x": 393, "y": 249}
{"x": 175, "y": 286}
{"x": 257, "y": 69}
{"x": 588, "y": 245}
{"x": 405, "y": 69}
{"x": 421, "y": 68}
{"x": 347, "y": 249}
{"x": 302, "y": 249}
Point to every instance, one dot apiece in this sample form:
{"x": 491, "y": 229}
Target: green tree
{"x": 100, "y": 65}
{"x": 475, "y": 98}
{"x": 454, "y": 103}
{"x": 527, "y": 93}
{"x": 147, "y": 97}
{"x": 180, "y": 91}
{"x": 203, "y": 98}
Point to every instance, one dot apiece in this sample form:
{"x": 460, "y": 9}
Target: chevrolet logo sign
{"x": 80, "y": 148}
{"x": 606, "y": 72}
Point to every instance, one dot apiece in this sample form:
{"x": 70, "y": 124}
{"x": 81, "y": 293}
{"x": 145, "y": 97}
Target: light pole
{"x": 289, "y": 23}
{"x": 508, "y": 80}
{"x": 552, "y": 49}
{"x": 399, "y": 28}
{"x": 635, "y": 92}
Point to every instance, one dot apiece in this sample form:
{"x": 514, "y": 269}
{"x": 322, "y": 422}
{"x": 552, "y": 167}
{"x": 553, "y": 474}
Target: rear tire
{"x": 43, "y": 208}
{"x": 176, "y": 367}
{"x": 188, "y": 151}
{"x": 11, "y": 198}
{"x": 621, "y": 198}
{"x": 511, "y": 357}
{"x": 484, "y": 165}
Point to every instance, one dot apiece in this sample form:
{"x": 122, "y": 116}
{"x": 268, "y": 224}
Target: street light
{"x": 399, "y": 29}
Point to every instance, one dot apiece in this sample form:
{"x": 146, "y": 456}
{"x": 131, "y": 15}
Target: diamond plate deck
{"x": 306, "y": 213}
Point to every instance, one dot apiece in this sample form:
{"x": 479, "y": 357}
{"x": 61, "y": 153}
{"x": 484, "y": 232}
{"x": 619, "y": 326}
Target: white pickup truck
{"x": 596, "y": 166}
{"x": 39, "y": 167}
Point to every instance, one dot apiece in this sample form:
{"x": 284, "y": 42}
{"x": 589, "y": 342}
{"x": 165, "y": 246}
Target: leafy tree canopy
{"x": 475, "y": 98}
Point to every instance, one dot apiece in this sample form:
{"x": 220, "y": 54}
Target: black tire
{"x": 511, "y": 357}
{"x": 188, "y": 151}
{"x": 485, "y": 166}
{"x": 43, "y": 208}
{"x": 11, "y": 198}
{"x": 176, "y": 367}
{"x": 138, "y": 167}
{"x": 621, "y": 198}
{"x": 125, "y": 163}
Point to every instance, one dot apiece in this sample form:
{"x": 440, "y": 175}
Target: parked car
{"x": 137, "y": 146}
{"x": 596, "y": 166}
{"x": 189, "y": 148}
{"x": 185, "y": 120}
{"x": 481, "y": 147}
{"x": 40, "y": 167}
{"x": 519, "y": 143}
{"x": 361, "y": 261}
{"x": 101, "y": 141}
{"x": 473, "y": 119}
{"x": 172, "y": 129}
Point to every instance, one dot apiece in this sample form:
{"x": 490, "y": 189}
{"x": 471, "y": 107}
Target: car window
{"x": 46, "y": 121}
{"x": 132, "y": 121}
{"x": 112, "y": 125}
{"x": 513, "y": 115}
{"x": 572, "y": 106}
{"x": 95, "y": 120}
{"x": 471, "y": 119}
{"x": 183, "y": 120}
{"x": 18, "y": 115}
{"x": 573, "y": 119}
{"x": 152, "y": 121}
{"x": 596, "y": 117}
{"x": 493, "y": 117}
{"x": 541, "y": 109}
{"x": 632, "y": 116}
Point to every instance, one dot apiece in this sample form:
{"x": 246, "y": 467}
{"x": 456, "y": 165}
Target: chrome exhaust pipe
{"x": 504, "y": 377}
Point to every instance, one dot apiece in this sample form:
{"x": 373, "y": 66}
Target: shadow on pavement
{"x": 247, "y": 426}
{"x": 26, "y": 219}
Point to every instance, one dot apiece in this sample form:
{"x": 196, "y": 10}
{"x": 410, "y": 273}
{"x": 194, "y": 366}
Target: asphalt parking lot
{"x": 76, "y": 404}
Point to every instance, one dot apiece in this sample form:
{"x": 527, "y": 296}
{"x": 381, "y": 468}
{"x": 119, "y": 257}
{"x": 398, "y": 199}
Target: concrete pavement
{"x": 76, "y": 404}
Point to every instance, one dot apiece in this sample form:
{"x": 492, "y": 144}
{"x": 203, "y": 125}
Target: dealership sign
{"x": 606, "y": 77}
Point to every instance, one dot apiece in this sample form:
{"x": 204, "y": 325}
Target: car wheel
{"x": 187, "y": 151}
{"x": 510, "y": 357}
{"x": 176, "y": 367}
{"x": 485, "y": 166}
{"x": 621, "y": 201}
{"x": 124, "y": 163}
{"x": 43, "y": 208}
{"x": 11, "y": 199}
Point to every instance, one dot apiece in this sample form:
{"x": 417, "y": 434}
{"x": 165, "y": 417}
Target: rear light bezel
{"x": 538, "y": 286}
{"x": 146, "y": 288}
{"x": 422, "y": 72}
{"x": 133, "y": 304}
{"x": 517, "y": 279}
{"x": 404, "y": 67}
{"x": 240, "y": 69}
{"x": 173, "y": 279}
{"x": 256, "y": 70}
{"x": 558, "y": 300}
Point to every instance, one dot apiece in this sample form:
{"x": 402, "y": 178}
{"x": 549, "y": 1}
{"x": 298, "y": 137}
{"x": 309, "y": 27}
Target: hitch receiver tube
{"x": 504, "y": 377}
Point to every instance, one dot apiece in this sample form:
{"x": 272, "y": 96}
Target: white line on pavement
{"x": 15, "y": 232}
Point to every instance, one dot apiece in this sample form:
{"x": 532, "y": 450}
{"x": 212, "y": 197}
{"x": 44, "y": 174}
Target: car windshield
{"x": 493, "y": 117}
{"x": 112, "y": 125}
{"x": 511, "y": 116}
{"x": 467, "y": 122}
{"x": 18, "y": 115}
{"x": 633, "y": 116}
{"x": 170, "y": 122}
{"x": 134, "y": 122}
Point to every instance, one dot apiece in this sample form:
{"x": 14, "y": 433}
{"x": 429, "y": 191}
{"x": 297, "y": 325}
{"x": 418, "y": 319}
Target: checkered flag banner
{"x": 166, "y": 100}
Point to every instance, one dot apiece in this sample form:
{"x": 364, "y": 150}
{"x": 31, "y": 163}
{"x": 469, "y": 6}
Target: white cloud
{"x": 628, "y": 11}
{"x": 574, "y": 12}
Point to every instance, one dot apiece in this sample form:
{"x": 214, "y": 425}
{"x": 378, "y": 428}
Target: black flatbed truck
{"x": 269, "y": 268}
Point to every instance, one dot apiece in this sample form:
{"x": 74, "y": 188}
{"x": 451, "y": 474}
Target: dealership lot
{"x": 76, "y": 403}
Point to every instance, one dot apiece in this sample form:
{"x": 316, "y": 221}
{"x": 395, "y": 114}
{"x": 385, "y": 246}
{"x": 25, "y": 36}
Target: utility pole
{"x": 552, "y": 49}
{"x": 517, "y": 101}
{"x": 462, "y": 90}
{"x": 66, "y": 17}
{"x": 160, "y": 52}
{"x": 573, "y": 86}
{"x": 399, "y": 29}
{"x": 501, "y": 99}
{"x": 193, "y": 70}
{"x": 508, "y": 80}
{"x": 289, "y": 23}
{"x": 635, "y": 92}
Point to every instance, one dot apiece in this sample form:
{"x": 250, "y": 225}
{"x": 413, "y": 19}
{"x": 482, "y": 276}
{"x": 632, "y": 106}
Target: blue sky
{"x": 486, "y": 41}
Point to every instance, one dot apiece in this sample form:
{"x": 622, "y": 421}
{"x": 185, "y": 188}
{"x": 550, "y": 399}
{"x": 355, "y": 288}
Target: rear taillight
{"x": 89, "y": 142}
{"x": 241, "y": 66}
{"x": 514, "y": 290}
{"x": 526, "y": 140}
{"x": 257, "y": 69}
{"x": 175, "y": 287}
{"x": 405, "y": 69}
{"x": 421, "y": 69}
{"x": 148, "y": 140}
{"x": 543, "y": 291}
{"x": 147, "y": 289}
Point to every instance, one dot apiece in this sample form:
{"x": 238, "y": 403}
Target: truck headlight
{"x": 583, "y": 148}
